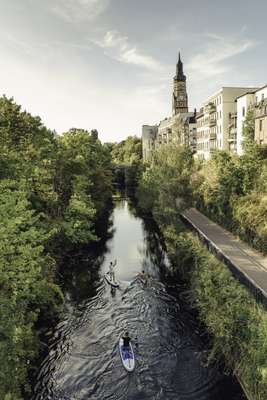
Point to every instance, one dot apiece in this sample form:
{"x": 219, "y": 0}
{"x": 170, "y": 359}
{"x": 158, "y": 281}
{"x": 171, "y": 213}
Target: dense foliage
{"x": 127, "y": 161}
{"x": 53, "y": 190}
{"x": 165, "y": 188}
{"x": 232, "y": 190}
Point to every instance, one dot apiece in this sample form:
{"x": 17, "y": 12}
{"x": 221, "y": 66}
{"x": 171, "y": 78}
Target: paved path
{"x": 248, "y": 265}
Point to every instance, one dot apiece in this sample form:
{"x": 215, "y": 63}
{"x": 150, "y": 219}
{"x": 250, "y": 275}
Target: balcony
{"x": 212, "y": 122}
{"x": 210, "y": 108}
{"x": 213, "y": 136}
{"x": 261, "y": 109}
{"x": 232, "y": 135}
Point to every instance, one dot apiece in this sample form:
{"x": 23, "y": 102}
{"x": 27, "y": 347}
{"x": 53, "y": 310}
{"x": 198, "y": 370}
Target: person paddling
{"x": 143, "y": 276}
{"x": 126, "y": 340}
{"x": 111, "y": 270}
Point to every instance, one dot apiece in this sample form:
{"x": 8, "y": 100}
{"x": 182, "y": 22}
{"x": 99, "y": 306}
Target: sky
{"x": 109, "y": 64}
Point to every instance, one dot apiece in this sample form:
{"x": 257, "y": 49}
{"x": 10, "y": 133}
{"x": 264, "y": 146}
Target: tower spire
{"x": 180, "y": 101}
{"x": 179, "y": 69}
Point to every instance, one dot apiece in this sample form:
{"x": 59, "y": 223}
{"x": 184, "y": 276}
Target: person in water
{"x": 144, "y": 277}
{"x": 126, "y": 340}
{"x": 111, "y": 270}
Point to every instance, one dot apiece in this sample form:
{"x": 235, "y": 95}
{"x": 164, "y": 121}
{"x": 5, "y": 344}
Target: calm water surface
{"x": 83, "y": 360}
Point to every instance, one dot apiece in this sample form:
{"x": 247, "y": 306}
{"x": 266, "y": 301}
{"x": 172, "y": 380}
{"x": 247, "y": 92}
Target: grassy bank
{"x": 236, "y": 323}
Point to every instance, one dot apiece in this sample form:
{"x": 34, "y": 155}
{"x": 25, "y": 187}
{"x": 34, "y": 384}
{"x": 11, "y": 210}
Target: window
{"x": 262, "y": 96}
{"x": 243, "y": 111}
{"x": 260, "y": 125}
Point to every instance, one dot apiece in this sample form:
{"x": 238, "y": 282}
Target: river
{"x": 83, "y": 361}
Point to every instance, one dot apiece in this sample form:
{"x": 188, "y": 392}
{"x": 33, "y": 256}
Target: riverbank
{"x": 236, "y": 324}
{"x": 247, "y": 265}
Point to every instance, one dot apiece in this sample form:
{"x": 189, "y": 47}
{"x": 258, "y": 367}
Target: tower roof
{"x": 179, "y": 70}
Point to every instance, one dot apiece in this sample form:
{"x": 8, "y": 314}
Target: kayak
{"x": 111, "y": 282}
{"x": 127, "y": 356}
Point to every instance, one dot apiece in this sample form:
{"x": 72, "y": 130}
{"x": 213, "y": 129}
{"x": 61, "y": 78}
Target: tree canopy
{"x": 53, "y": 189}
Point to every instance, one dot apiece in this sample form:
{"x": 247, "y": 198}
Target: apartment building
{"x": 261, "y": 115}
{"x": 165, "y": 135}
{"x": 216, "y": 116}
{"x": 244, "y": 103}
{"x": 179, "y": 129}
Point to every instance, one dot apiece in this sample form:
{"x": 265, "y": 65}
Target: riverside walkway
{"x": 245, "y": 263}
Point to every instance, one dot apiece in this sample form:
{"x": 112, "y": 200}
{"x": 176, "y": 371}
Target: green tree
{"x": 249, "y": 132}
{"x": 165, "y": 185}
{"x": 26, "y": 288}
{"x": 52, "y": 189}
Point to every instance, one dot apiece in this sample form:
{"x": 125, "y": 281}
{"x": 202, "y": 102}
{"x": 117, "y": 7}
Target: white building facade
{"x": 214, "y": 120}
{"x": 261, "y": 115}
{"x": 244, "y": 104}
{"x": 149, "y": 133}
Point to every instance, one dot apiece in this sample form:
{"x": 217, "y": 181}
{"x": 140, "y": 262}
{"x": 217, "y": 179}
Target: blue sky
{"x": 109, "y": 64}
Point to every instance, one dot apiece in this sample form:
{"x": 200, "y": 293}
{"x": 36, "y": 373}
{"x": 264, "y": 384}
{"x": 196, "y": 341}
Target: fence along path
{"x": 246, "y": 264}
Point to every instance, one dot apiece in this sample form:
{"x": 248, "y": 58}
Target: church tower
{"x": 179, "y": 98}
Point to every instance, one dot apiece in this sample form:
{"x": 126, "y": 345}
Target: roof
{"x": 263, "y": 87}
{"x": 252, "y": 91}
{"x": 229, "y": 87}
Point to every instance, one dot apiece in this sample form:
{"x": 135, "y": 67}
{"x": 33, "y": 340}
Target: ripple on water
{"x": 84, "y": 362}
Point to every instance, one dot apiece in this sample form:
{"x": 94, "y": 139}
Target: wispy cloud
{"x": 211, "y": 61}
{"x": 78, "y": 10}
{"x": 119, "y": 48}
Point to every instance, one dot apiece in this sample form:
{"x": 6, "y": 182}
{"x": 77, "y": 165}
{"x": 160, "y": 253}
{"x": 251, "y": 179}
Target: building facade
{"x": 149, "y": 134}
{"x": 244, "y": 103}
{"x": 179, "y": 129}
{"x": 217, "y": 122}
{"x": 261, "y": 115}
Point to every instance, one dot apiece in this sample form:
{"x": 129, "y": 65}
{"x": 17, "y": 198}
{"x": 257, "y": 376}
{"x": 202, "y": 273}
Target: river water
{"x": 83, "y": 361}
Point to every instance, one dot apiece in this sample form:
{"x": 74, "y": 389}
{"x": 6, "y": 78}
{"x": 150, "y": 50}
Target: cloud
{"x": 211, "y": 60}
{"x": 78, "y": 10}
{"x": 119, "y": 48}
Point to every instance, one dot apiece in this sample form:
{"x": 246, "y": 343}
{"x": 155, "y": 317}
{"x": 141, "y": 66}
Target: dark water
{"x": 84, "y": 362}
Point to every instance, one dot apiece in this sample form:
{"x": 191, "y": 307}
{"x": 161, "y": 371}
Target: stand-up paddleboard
{"x": 127, "y": 356}
{"x": 110, "y": 281}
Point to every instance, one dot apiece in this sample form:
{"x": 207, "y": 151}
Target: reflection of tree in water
{"x": 79, "y": 267}
{"x": 154, "y": 251}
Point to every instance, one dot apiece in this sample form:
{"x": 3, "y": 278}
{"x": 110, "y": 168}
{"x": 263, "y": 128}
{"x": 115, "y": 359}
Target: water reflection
{"x": 84, "y": 363}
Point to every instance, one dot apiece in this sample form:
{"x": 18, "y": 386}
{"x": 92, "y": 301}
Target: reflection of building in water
{"x": 180, "y": 128}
